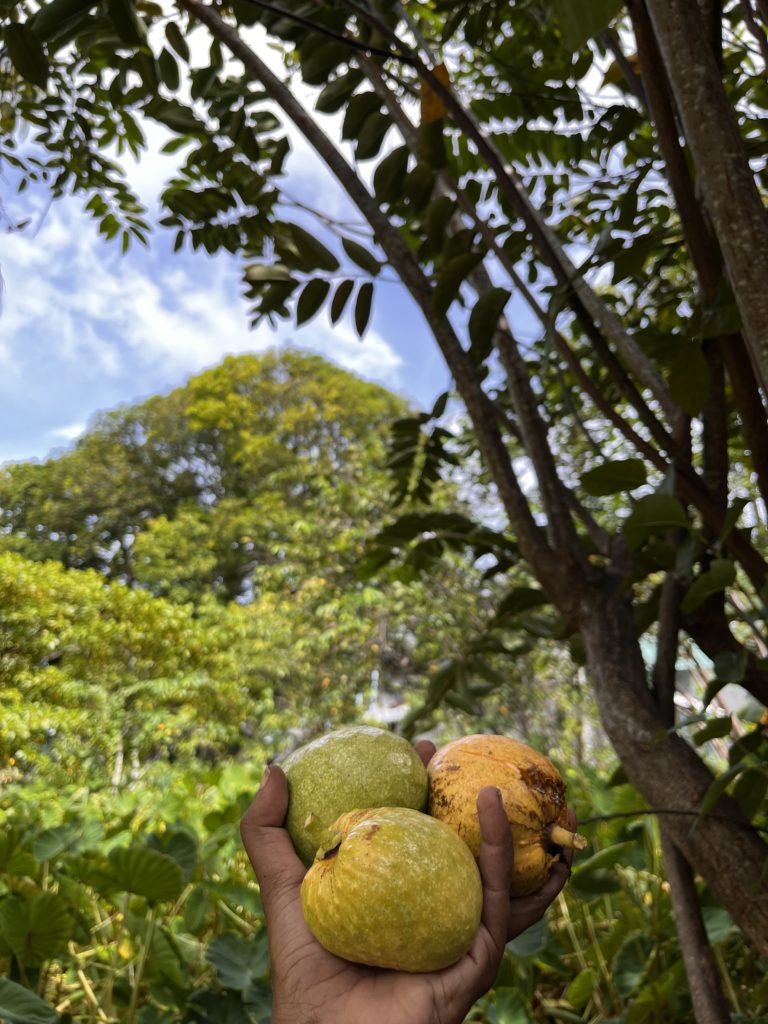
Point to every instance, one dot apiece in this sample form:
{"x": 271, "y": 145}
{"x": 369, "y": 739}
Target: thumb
{"x": 268, "y": 845}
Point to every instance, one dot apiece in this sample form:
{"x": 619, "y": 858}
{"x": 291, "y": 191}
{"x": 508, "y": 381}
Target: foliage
{"x": 141, "y": 904}
{"x": 626, "y": 440}
{"x": 99, "y": 679}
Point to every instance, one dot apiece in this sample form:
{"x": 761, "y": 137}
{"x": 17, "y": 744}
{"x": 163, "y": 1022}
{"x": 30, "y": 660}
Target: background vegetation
{"x": 216, "y": 574}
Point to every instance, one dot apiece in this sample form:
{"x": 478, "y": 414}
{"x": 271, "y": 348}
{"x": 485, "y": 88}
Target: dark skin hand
{"x": 312, "y": 986}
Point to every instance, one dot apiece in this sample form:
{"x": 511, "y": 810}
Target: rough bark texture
{"x": 723, "y": 172}
{"x": 729, "y": 855}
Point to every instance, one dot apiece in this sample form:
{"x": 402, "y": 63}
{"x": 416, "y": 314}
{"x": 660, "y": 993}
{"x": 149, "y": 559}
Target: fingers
{"x": 527, "y": 910}
{"x": 495, "y": 862}
{"x": 426, "y": 750}
{"x": 475, "y": 974}
{"x": 268, "y": 845}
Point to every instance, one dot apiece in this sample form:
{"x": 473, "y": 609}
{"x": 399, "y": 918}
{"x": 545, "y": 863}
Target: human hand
{"x": 312, "y": 986}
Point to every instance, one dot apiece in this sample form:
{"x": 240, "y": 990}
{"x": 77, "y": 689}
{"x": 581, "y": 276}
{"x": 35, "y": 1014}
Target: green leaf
{"x": 318, "y": 64}
{"x": 605, "y": 858}
{"x": 719, "y": 925}
{"x": 582, "y": 21}
{"x": 509, "y": 1008}
{"x": 532, "y": 941}
{"x": 259, "y": 272}
{"x": 20, "y": 1006}
{"x": 130, "y": 27}
{"x": 390, "y": 174}
{"x": 176, "y": 40}
{"x": 718, "y": 787}
{"x": 614, "y": 476}
{"x": 484, "y": 320}
{"x": 59, "y": 17}
{"x": 450, "y": 279}
{"x": 371, "y": 136}
{"x": 35, "y": 929}
{"x": 580, "y": 990}
{"x": 312, "y": 296}
{"x": 751, "y": 789}
{"x": 155, "y": 876}
{"x": 721, "y": 316}
{"x": 716, "y": 728}
{"x": 688, "y": 379}
{"x": 629, "y": 965}
{"x": 239, "y": 962}
{"x": 732, "y": 517}
{"x": 340, "y": 299}
{"x": 314, "y": 255}
{"x": 173, "y": 115}
{"x": 363, "y": 257}
{"x": 436, "y": 219}
{"x": 336, "y": 93}
{"x": 169, "y": 70}
{"x": 520, "y": 599}
{"x": 180, "y": 843}
{"x": 358, "y": 109}
{"x": 27, "y": 54}
{"x": 655, "y": 513}
{"x": 721, "y": 574}
{"x": 363, "y": 307}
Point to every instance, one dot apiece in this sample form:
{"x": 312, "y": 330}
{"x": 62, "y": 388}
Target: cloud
{"x": 67, "y": 432}
{"x": 74, "y": 304}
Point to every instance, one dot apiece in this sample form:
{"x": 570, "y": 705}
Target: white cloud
{"x": 112, "y": 315}
{"x": 67, "y": 432}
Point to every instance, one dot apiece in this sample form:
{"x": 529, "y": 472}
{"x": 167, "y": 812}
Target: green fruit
{"x": 349, "y": 770}
{"x": 392, "y": 887}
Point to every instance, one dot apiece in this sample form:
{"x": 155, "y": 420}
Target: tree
{"x": 201, "y": 490}
{"x": 517, "y": 178}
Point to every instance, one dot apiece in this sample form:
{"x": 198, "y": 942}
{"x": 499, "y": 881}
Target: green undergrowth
{"x": 139, "y": 907}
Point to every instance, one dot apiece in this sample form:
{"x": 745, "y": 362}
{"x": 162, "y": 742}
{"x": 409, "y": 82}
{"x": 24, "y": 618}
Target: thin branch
{"x": 593, "y": 313}
{"x": 557, "y": 570}
{"x": 754, "y": 28}
{"x": 329, "y": 33}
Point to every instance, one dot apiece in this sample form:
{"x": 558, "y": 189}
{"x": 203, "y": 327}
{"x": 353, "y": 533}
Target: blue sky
{"x": 84, "y": 328}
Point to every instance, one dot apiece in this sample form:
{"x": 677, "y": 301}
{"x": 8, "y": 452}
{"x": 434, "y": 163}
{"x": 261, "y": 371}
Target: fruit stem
{"x": 564, "y": 837}
{"x": 321, "y": 837}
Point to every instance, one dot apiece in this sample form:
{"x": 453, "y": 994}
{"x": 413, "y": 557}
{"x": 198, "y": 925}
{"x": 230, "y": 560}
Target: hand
{"x": 312, "y": 986}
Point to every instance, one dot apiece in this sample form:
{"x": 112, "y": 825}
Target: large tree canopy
{"x": 604, "y": 169}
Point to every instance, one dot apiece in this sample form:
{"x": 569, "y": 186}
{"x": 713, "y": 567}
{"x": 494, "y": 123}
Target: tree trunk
{"x": 723, "y": 173}
{"x": 729, "y": 855}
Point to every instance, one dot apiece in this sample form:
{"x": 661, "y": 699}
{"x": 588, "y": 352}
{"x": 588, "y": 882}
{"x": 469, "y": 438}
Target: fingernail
{"x": 264, "y": 777}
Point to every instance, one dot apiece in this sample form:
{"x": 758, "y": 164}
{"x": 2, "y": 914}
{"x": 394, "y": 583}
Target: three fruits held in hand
{"x": 392, "y": 886}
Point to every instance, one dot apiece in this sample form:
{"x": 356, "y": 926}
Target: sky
{"x": 84, "y": 328}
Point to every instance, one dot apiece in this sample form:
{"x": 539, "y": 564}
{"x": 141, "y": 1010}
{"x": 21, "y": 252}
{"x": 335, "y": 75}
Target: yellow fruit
{"x": 392, "y": 887}
{"x": 532, "y": 791}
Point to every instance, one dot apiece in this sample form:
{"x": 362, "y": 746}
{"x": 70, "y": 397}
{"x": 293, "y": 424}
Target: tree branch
{"x": 595, "y": 317}
{"x": 563, "y": 587}
{"x": 723, "y": 172}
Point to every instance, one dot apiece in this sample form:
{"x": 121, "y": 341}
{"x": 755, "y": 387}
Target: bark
{"x": 702, "y": 247}
{"x": 709, "y": 1003}
{"x": 723, "y": 173}
{"x": 729, "y": 854}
